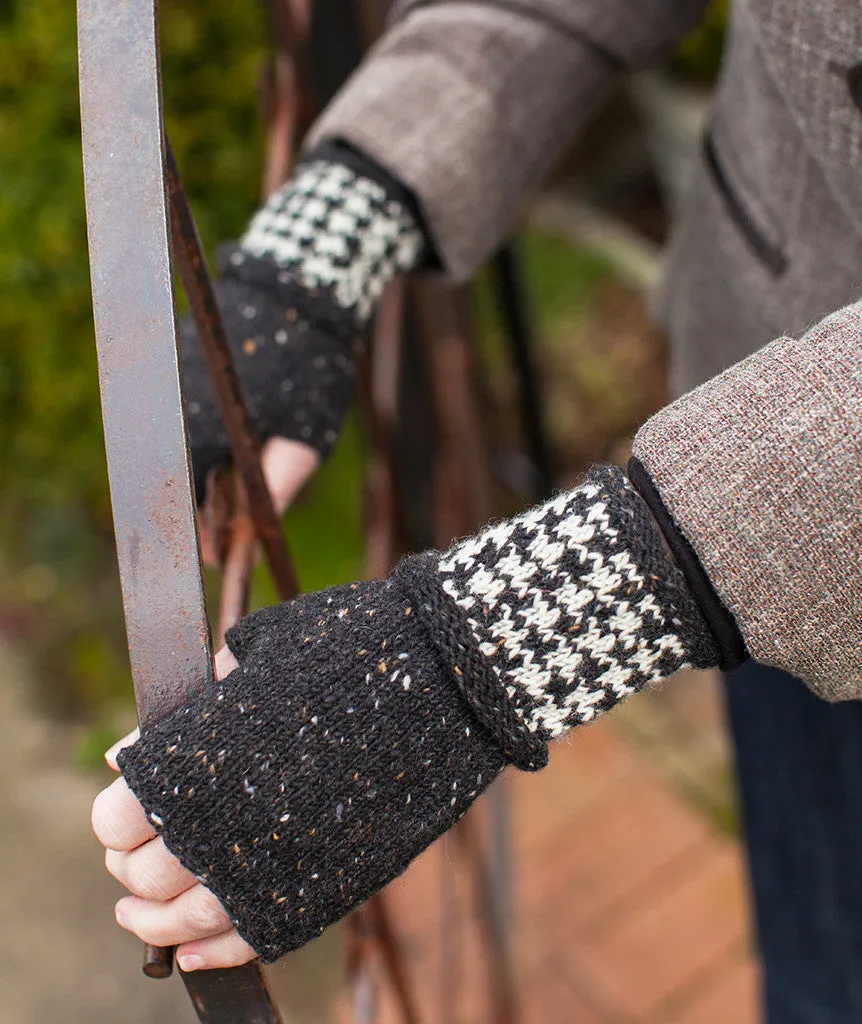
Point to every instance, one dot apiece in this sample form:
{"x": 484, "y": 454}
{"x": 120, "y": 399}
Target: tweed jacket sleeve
{"x": 470, "y": 102}
{"x": 761, "y": 469}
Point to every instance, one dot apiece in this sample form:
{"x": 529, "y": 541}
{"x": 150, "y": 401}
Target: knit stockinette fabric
{"x": 295, "y": 295}
{"x": 364, "y": 720}
{"x": 333, "y": 756}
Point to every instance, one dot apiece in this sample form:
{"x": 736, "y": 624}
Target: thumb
{"x": 286, "y": 466}
{"x": 126, "y": 741}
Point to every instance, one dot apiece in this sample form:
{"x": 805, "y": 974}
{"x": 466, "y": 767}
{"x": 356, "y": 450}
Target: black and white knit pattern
{"x": 333, "y": 229}
{"x": 294, "y": 297}
{"x": 577, "y": 604}
{"x": 364, "y": 720}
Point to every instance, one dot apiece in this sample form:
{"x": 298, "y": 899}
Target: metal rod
{"x": 243, "y": 440}
{"x": 378, "y": 911}
{"x": 503, "y": 992}
{"x": 158, "y": 961}
{"x": 385, "y": 536}
{"x": 464, "y": 471}
{"x": 510, "y": 295}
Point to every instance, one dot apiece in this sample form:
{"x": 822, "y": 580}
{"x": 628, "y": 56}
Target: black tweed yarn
{"x": 294, "y": 352}
{"x": 296, "y": 294}
{"x": 364, "y": 720}
{"x": 335, "y": 754}
{"x": 471, "y": 671}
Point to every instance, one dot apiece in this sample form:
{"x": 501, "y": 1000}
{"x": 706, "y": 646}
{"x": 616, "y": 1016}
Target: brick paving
{"x": 631, "y": 907}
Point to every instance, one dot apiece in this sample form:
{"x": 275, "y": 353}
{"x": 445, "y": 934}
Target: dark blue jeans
{"x": 800, "y": 773}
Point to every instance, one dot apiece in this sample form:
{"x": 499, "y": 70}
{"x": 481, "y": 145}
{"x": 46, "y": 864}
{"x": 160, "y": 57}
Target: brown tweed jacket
{"x": 470, "y": 102}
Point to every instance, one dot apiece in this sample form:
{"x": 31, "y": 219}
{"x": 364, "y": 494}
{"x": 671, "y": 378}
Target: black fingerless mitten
{"x": 364, "y": 720}
{"x": 320, "y": 769}
{"x": 295, "y": 295}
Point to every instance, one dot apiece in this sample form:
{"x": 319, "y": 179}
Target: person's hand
{"x": 361, "y": 722}
{"x": 295, "y": 295}
{"x": 168, "y": 906}
{"x": 295, "y": 367}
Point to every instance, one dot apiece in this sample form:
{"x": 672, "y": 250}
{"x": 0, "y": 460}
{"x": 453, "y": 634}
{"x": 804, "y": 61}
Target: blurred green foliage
{"x": 56, "y": 556}
{"x": 58, "y": 586}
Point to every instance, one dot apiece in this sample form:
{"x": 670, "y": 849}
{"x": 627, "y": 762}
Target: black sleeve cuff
{"x": 721, "y": 623}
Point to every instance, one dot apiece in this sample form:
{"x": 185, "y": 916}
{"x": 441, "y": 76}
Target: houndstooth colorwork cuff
{"x": 333, "y": 229}
{"x": 572, "y": 607}
{"x": 295, "y": 295}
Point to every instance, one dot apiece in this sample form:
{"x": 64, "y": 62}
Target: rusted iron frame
{"x": 288, "y": 104}
{"x": 390, "y": 949}
{"x": 148, "y": 460}
{"x": 463, "y": 502}
{"x": 385, "y": 530}
{"x": 516, "y": 322}
{"x": 502, "y": 985}
{"x": 292, "y": 102}
{"x": 244, "y": 444}
{"x": 466, "y": 470}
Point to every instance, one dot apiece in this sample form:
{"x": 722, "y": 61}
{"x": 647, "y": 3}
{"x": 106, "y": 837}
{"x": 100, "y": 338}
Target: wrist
{"x": 338, "y": 230}
{"x": 722, "y": 625}
{"x": 571, "y": 607}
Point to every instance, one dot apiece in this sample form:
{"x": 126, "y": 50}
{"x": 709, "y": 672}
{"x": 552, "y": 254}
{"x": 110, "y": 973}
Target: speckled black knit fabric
{"x": 295, "y": 294}
{"x": 364, "y": 720}
{"x": 294, "y": 353}
{"x": 336, "y": 753}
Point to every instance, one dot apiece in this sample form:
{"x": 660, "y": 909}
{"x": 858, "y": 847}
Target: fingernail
{"x": 120, "y": 915}
{"x": 190, "y": 962}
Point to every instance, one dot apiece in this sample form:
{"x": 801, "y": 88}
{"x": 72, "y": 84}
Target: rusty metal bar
{"x": 243, "y": 440}
{"x": 503, "y": 991}
{"x": 288, "y": 102}
{"x": 381, "y": 920}
{"x": 385, "y": 524}
{"x": 513, "y": 303}
{"x": 463, "y": 503}
{"x": 148, "y": 461}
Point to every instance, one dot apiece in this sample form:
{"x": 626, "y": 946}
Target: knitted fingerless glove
{"x": 295, "y": 295}
{"x": 364, "y": 720}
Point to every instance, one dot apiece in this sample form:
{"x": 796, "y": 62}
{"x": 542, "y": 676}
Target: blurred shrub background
{"x": 58, "y": 587}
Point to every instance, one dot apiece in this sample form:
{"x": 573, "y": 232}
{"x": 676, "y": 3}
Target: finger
{"x": 286, "y": 466}
{"x": 118, "y": 819}
{"x": 194, "y": 914}
{"x": 225, "y": 663}
{"x": 126, "y": 741}
{"x": 229, "y": 949}
{"x": 151, "y": 871}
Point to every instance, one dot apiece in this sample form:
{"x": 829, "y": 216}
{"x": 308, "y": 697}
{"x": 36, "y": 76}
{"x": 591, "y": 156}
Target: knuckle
{"x": 155, "y": 933}
{"x": 101, "y": 818}
{"x": 204, "y": 914}
{"x": 153, "y": 928}
{"x": 141, "y": 881}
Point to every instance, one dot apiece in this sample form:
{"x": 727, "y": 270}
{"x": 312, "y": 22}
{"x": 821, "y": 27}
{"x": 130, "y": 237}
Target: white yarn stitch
{"x": 564, "y": 614}
{"x": 336, "y": 230}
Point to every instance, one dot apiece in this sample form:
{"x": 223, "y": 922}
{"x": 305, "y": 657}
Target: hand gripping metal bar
{"x": 145, "y": 438}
